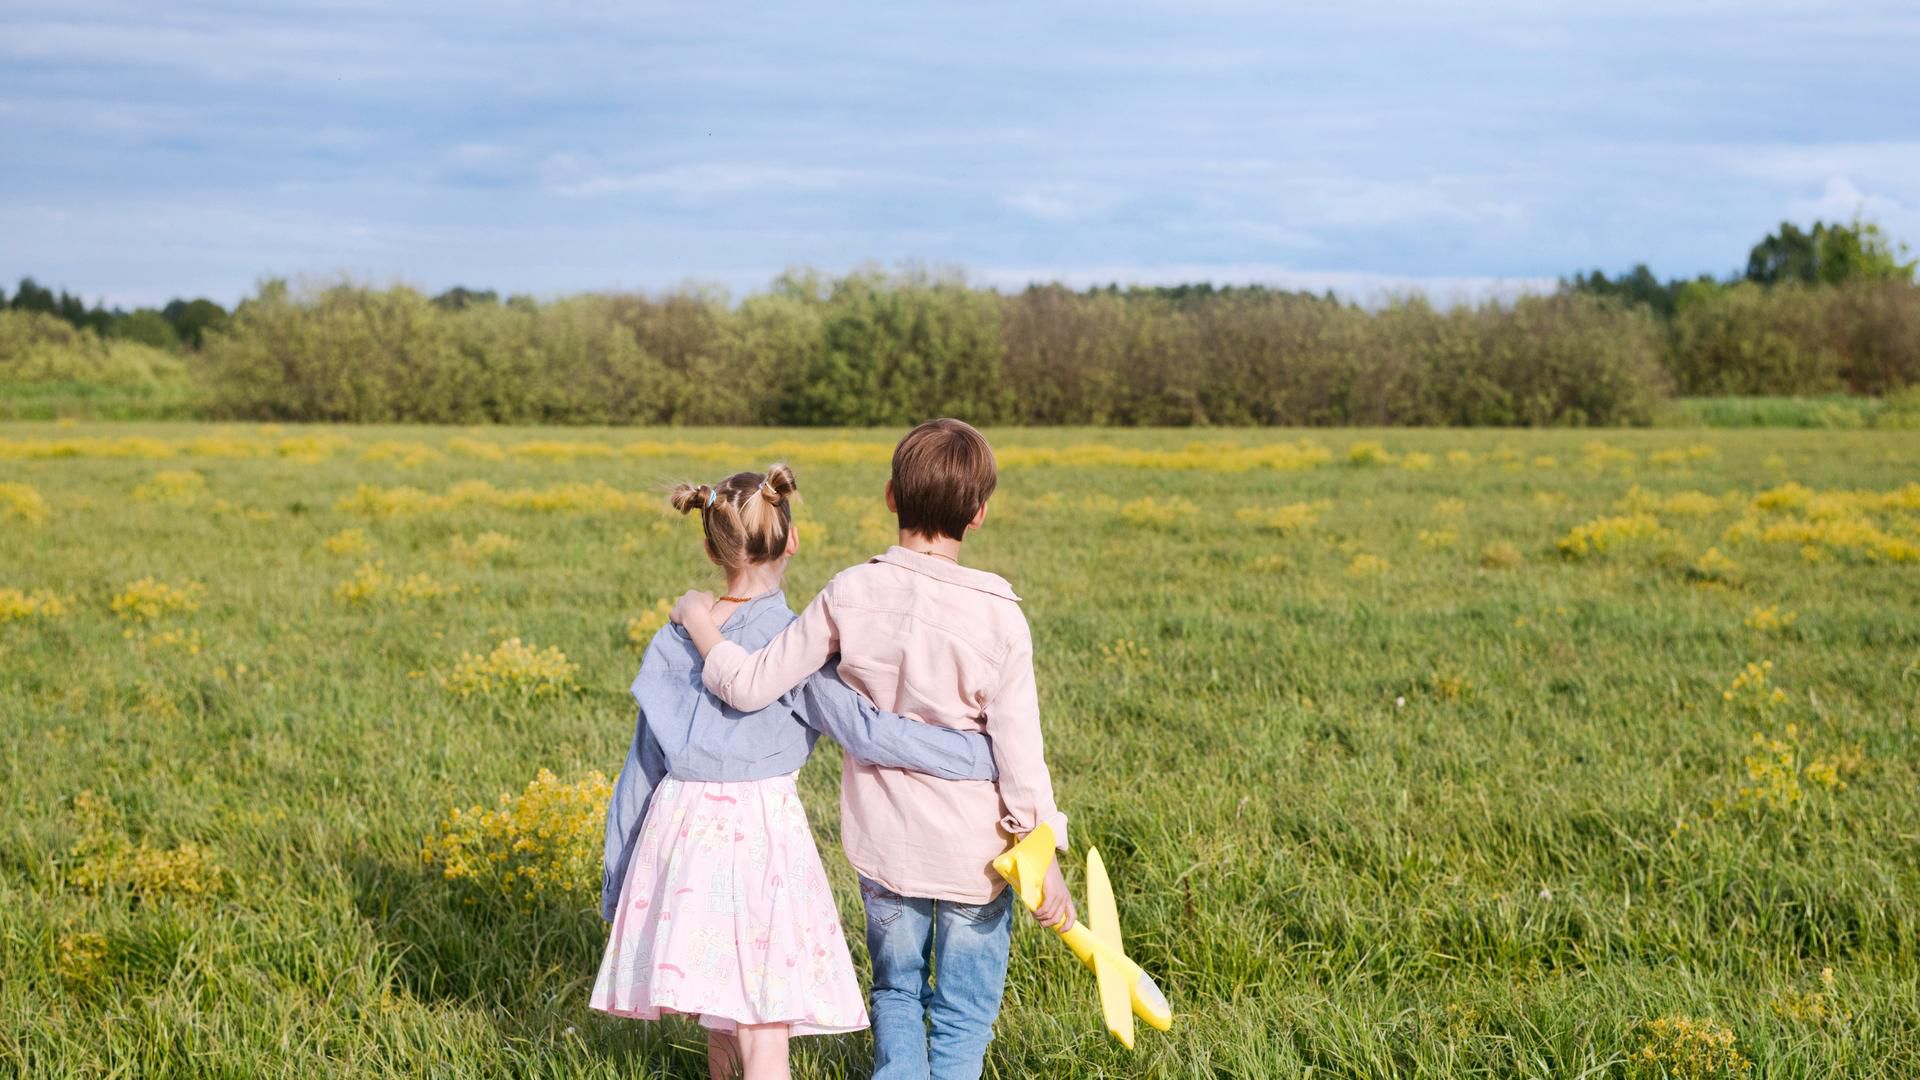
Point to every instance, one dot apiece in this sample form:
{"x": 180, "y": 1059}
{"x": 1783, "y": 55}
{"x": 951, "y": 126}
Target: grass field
{"x": 1411, "y": 753}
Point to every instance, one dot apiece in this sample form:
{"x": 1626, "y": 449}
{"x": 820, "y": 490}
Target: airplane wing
{"x": 1103, "y": 918}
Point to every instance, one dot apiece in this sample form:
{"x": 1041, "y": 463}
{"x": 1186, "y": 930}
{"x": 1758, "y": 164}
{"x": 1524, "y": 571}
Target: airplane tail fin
{"x": 1103, "y": 918}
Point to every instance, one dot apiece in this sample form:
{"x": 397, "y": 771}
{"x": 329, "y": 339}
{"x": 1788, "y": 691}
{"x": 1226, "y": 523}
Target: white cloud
{"x": 1834, "y": 181}
{"x": 1893, "y": 159}
{"x": 1061, "y": 203}
{"x": 1357, "y": 202}
{"x": 473, "y": 155}
{"x": 714, "y": 179}
{"x": 1840, "y": 200}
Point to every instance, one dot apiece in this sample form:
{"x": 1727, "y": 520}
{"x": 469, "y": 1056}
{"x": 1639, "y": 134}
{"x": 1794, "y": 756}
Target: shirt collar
{"x": 744, "y": 615}
{"x": 952, "y": 573}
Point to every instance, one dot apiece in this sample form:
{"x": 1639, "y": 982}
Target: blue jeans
{"x": 938, "y": 963}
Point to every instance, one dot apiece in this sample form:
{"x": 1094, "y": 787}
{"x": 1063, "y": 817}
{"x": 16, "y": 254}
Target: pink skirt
{"x": 726, "y": 915}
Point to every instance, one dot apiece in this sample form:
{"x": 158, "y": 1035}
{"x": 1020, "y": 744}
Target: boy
{"x": 922, "y": 635}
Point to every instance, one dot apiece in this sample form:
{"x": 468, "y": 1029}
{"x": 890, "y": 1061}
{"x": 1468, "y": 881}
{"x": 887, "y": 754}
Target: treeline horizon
{"x": 1819, "y": 311}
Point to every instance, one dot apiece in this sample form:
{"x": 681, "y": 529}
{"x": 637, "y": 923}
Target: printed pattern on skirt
{"x": 726, "y": 915}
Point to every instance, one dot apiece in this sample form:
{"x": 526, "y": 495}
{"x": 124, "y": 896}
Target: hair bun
{"x": 687, "y": 498}
{"x": 778, "y": 484}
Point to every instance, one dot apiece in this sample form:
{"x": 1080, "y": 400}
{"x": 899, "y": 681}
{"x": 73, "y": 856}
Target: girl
{"x": 720, "y": 908}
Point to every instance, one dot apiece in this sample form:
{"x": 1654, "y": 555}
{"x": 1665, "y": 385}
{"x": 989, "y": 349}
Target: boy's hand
{"x": 692, "y": 602}
{"x": 1056, "y": 903}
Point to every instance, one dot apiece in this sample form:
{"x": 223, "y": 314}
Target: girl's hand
{"x": 1056, "y": 903}
{"x": 693, "y": 602}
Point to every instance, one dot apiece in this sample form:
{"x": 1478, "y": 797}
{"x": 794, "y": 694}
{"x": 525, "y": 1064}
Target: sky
{"x": 1470, "y": 149}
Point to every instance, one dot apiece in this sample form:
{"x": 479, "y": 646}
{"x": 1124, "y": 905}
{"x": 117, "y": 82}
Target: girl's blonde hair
{"x": 747, "y": 517}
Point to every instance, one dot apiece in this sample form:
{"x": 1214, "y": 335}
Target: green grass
{"x": 1452, "y": 818}
{"x": 178, "y": 398}
{"x": 1843, "y": 412}
{"x": 162, "y": 399}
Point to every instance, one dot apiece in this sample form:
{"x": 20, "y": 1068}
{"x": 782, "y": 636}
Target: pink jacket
{"x": 947, "y": 644}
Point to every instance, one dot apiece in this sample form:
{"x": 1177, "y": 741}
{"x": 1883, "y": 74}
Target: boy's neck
{"x": 945, "y": 547}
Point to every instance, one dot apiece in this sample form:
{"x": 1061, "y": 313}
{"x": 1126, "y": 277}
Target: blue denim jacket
{"x": 684, "y": 732}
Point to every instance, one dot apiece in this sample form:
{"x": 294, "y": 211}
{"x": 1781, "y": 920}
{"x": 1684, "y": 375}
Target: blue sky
{"x": 194, "y": 147}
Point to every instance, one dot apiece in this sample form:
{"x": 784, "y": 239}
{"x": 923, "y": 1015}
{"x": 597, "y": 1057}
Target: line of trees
{"x": 873, "y": 349}
{"x": 179, "y": 323}
{"x": 1817, "y": 311}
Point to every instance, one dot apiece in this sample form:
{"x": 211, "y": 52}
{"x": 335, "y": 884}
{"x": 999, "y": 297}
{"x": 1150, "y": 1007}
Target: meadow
{"x": 1411, "y": 753}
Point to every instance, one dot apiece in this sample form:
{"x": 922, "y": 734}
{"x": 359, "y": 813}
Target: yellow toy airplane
{"x": 1125, "y": 990}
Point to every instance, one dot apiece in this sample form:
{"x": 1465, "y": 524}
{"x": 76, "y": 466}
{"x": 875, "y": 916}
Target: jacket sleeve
{"x": 752, "y": 681}
{"x": 1013, "y": 720}
{"x": 891, "y": 740}
{"x": 645, "y": 767}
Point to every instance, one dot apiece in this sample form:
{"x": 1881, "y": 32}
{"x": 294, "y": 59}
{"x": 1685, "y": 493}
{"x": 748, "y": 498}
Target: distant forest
{"x": 1829, "y": 309}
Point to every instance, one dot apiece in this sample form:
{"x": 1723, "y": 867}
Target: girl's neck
{"x": 751, "y": 581}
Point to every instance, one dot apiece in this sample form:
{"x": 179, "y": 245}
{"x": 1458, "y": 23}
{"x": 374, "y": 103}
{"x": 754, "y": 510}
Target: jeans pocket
{"x": 990, "y": 911}
{"x": 884, "y": 908}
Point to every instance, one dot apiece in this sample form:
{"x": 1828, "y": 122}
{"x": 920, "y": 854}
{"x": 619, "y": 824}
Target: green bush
{"x": 148, "y": 327}
{"x": 36, "y": 347}
{"x": 898, "y": 352}
{"x": 1862, "y": 337}
{"x": 1270, "y": 358}
{"x": 1901, "y": 410}
{"x": 1880, "y": 334}
{"x": 871, "y": 349}
{"x": 1751, "y": 339}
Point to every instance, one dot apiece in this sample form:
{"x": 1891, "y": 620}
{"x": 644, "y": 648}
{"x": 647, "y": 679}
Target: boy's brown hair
{"x": 943, "y": 473}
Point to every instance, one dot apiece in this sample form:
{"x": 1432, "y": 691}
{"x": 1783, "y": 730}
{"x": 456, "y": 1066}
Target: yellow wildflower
{"x": 474, "y": 448}
{"x": 369, "y": 580}
{"x": 1500, "y": 555}
{"x": 1683, "y": 1048}
{"x": 545, "y": 841}
{"x": 1604, "y": 535}
{"x": 421, "y": 588}
{"x": 147, "y": 599}
{"x": 1770, "y": 619}
{"x": 1125, "y": 655}
{"x": 513, "y": 668}
{"x": 1284, "y": 519}
{"x": 486, "y": 546}
{"x": 1366, "y": 565}
{"x": 38, "y": 604}
{"x": 1712, "y": 566}
{"x": 106, "y": 858}
{"x": 309, "y": 448}
{"x": 23, "y": 501}
{"x": 177, "y": 487}
{"x": 1148, "y": 512}
{"x": 405, "y": 455}
{"x": 642, "y": 627}
{"x": 1368, "y": 453}
{"x": 82, "y": 955}
{"x": 348, "y": 542}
